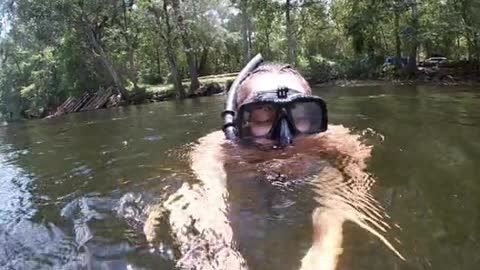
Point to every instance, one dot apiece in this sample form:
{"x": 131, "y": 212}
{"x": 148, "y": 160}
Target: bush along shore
{"x": 322, "y": 72}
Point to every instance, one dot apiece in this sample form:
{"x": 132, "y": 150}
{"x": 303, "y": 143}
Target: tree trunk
{"x": 100, "y": 53}
{"x": 130, "y": 50}
{"x": 132, "y": 67}
{"x": 470, "y": 33}
{"x": 250, "y": 46}
{"x": 171, "y": 56}
{"x": 157, "y": 56}
{"x": 247, "y": 52}
{"x": 202, "y": 65}
{"x": 177, "y": 80}
{"x": 398, "y": 45}
{"x": 192, "y": 67}
{"x": 269, "y": 51}
{"x": 476, "y": 46}
{"x": 412, "y": 59}
{"x": 168, "y": 38}
{"x": 289, "y": 33}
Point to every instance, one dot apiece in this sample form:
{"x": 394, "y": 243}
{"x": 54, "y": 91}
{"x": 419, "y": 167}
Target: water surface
{"x": 74, "y": 189}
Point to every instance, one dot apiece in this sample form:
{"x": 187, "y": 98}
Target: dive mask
{"x": 276, "y": 115}
{"x": 281, "y": 115}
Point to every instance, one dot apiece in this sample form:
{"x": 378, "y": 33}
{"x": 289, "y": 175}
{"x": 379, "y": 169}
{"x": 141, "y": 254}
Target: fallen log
{"x": 83, "y": 99}
{"x": 98, "y": 100}
{"x": 66, "y": 104}
{"x": 88, "y": 103}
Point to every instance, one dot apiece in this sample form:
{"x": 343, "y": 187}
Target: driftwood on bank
{"x": 67, "y": 105}
{"x": 85, "y": 102}
{"x": 98, "y": 100}
{"x": 107, "y": 98}
{"x": 83, "y": 99}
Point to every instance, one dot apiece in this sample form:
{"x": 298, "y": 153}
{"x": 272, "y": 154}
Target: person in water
{"x": 277, "y": 131}
{"x": 274, "y": 106}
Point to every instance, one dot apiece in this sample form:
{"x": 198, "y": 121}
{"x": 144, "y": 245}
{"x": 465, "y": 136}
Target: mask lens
{"x": 258, "y": 120}
{"x": 307, "y": 116}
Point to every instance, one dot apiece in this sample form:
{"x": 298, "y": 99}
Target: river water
{"x": 74, "y": 190}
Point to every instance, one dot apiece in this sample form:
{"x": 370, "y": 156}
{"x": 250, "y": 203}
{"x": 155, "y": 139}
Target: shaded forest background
{"x": 50, "y": 50}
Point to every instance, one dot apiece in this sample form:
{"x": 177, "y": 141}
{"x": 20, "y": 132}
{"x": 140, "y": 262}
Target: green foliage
{"x": 318, "y": 68}
{"x": 46, "y": 54}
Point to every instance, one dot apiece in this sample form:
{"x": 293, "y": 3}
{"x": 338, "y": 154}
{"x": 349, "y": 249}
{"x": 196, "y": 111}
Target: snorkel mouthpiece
{"x": 286, "y": 136}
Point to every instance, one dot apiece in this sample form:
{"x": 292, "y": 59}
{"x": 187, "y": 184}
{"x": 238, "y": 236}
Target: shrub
{"x": 318, "y": 69}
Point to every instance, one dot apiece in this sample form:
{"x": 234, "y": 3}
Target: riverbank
{"x": 224, "y": 81}
{"x": 144, "y": 93}
{"x": 219, "y": 84}
{"x": 204, "y": 80}
{"x": 380, "y": 82}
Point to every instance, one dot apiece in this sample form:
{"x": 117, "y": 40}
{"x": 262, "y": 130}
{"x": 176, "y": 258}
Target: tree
{"x": 165, "y": 32}
{"x": 55, "y": 49}
{"x": 189, "y": 51}
{"x": 414, "y": 28}
{"x": 265, "y": 13}
{"x": 398, "y": 45}
{"x": 470, "y": 21}
{"x": 92, "y": 16}
{"x": 289, "y": 33}
{"x": 130, "y": 35}
{"x": 247, "y": 50}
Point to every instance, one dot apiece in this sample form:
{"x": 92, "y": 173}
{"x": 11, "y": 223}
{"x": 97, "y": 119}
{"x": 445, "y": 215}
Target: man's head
{"x": 275, "y": 105}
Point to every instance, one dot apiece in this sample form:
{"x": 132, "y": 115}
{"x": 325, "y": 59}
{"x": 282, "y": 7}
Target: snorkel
{"x": 230, "y": 111}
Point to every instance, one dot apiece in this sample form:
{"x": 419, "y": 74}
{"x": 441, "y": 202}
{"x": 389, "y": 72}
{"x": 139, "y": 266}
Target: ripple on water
{"x": 27, "y": 245}
{"x": 82, "y": 170}
{"x": 87, "y": 211}
{"x": 152, "y": 138}
{"x": 15, "y": 197}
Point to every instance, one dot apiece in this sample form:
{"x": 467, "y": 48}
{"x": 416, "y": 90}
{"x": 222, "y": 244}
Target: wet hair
{"x": 279, "y": 69}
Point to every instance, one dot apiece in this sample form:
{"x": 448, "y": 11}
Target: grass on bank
{"x": 219, "y": 78}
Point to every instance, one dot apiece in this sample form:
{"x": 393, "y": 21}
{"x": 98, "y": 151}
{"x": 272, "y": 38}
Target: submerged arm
{"x": 198, "y": 217}
{"x": 343, "y": 192}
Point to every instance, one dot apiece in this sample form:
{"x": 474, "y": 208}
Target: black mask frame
{"x": 282, "y": 100}
{"x": 230, "y": 114}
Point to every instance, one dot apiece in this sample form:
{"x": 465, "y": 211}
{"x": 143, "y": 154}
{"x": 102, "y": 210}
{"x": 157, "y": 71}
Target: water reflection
{"x": 424, "y": 158}
{"x": 427, "y": 168}
{"x": 16, "y": 200}
{"x": 19, "y": 236}
{"x": 15, "y": 196}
